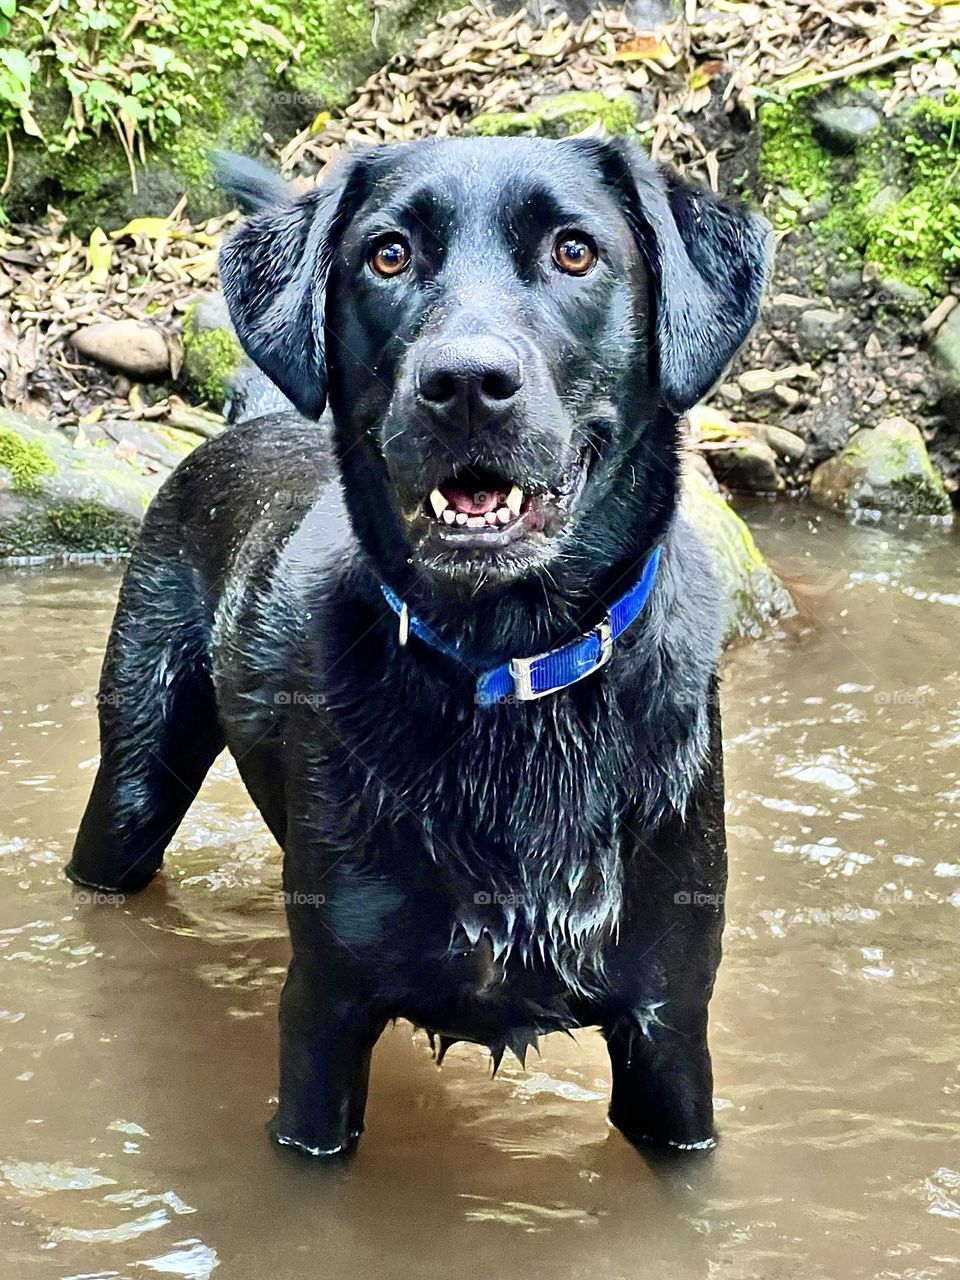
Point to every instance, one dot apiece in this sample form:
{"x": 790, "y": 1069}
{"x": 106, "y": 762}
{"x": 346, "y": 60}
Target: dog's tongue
{"x": 473, "y": 504}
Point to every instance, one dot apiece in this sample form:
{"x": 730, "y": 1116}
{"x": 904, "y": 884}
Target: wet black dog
{"x": 506, "y": 332}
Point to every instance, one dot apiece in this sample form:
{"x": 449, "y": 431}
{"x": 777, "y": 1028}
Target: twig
{"x": 9, "y": 175}
{"x": 856, "y": 68}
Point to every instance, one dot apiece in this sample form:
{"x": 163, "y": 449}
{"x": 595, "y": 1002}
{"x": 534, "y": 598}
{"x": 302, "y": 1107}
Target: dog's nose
{"x": 479, "y": 373}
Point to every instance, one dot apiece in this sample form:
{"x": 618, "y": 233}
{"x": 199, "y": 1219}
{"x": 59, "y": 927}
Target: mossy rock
{"x": 561, "y": 116}
{"x": 754, "y": 597}
{"x": 884, "y": 468}
{"x": 56, "y": 499}
{"x": 211, "y": 353}
{"x": 212, "y": 77}
{"x": 892, "y": 202}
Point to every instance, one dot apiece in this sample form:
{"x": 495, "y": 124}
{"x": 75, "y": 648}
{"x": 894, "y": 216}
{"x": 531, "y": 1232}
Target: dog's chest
{"x": 520, "y": 814}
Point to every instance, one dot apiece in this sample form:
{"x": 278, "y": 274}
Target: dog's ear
{"x": 274, "y": 273}
{"x": 710, "y": 261}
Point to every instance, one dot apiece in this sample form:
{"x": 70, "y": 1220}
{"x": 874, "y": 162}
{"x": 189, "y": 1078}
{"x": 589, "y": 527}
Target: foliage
{"x": 27, "y": 462}
{"x": 139, "y": 68}
{"x": 894, "y": 202}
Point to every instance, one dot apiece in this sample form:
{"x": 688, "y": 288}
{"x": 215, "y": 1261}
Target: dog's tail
{"x": 251, "y": 185}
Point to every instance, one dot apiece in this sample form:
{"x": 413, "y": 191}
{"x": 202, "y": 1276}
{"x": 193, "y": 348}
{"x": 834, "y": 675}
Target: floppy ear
{"x": 274, "y": 274}
{"x": 710, "y": 261}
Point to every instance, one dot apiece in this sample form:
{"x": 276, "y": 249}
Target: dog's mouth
{"x": 477, "y": 507}
{"x": 476, "y": 499}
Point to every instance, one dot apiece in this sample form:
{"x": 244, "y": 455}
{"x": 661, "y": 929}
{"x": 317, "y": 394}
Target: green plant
{"x": 894, "y": 202}
{"x": 8, "y": 9}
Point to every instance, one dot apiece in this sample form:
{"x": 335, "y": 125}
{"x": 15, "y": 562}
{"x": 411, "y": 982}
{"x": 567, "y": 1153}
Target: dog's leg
{"x": 662, "y": 1078}
{"x": 326, "y": 1041}
{"x": 657, "y": 1037}
{"x": 159, "y": 731}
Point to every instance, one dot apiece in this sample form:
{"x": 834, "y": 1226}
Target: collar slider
{"x": 522, "y": 669}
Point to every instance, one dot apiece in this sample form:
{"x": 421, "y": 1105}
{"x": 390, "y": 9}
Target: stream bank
{"x": 840, "y": 124}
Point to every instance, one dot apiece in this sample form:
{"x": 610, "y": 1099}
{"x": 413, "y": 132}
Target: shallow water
{"x": 137, "y": 1038}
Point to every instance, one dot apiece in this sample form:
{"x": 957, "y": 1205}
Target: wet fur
{"x": 490, "y": 874}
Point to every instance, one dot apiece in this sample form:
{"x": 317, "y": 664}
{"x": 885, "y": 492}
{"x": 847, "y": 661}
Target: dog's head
{"x": 506, "y": 332}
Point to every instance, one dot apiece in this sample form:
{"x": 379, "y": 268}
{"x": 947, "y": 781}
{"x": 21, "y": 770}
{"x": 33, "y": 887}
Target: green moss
{"x": 211, "y": 358}
{"x": 569, "y": 113}
{"x": 89, "y": 527}
{"x": 27, "y": 463}
{"x": 80, "y": 529}
{"x": 790, "y": 155}
{"x": 186, "y": 79}
{"x": 560, "y": 116}
{"x": 894, "y": 202}
{"x": 504, "y": 124}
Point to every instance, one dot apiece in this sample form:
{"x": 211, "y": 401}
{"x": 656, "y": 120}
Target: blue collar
{"x": 524, "y": 679}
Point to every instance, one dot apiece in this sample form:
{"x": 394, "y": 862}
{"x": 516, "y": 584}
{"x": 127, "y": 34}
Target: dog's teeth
{"x": 504, "y": 515}
{"x": 438, "y": 502}
{"x": 490, "y": 517}
{"x": 515, "y": 499}
{"x": 449, "y": 516}
{"x": 475, "y": 522}
{"x": 462, "y": 517}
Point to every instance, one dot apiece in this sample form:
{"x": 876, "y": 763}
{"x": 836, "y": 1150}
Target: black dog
{"x": 489, "y": 846}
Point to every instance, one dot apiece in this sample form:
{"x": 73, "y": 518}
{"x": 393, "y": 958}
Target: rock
{"x": 60, "y": 499}
{"x": 698, "y": 463}
{"x": 754, "y": 597}
{"x": 885, "y": 200}
{"x": 730, "y": 393}
{"x": 787, "y": 445}
{"x": 899, "y": 295}
{"x": 788, "y": 396}
{"x": 758, "y": 381}
{"x": 560, "y": 116}
{"x": 946, "y": 353}
{"x": 817, "y": 209}
{"x": 937, "y": 316}
{"x": 211, "y": 353}
{"x": 843, "y": 128}
{"x": 132, "y": 346}
{"x": 886, "y": 468}
{"x": 252, "y": 394}
{"x": 820, "y": 331}
{"x": 746, "y": 465}
{"x": 846, "y": 284}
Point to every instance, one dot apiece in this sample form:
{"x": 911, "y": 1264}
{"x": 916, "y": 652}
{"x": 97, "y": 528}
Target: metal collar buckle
{"x": 522, "y": 668}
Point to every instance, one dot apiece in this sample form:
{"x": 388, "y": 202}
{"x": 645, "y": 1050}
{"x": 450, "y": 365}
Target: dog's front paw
{"x": 317, "y": 1145}
{"x": 653, "y": 1137}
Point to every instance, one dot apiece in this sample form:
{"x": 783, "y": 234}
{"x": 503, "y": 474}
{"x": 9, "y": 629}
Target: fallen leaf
{"x": 99, "y": 256}
{"x": 643, "y": 49}
{"x": 152, "y": 228}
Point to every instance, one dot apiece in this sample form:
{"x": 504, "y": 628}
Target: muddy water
{"x": 137, "y": 1038}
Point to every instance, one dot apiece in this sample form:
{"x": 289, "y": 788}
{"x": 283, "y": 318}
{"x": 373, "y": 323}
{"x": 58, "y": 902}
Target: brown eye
{"x": 391, "y": 256}
{"x": 574, "y": 253}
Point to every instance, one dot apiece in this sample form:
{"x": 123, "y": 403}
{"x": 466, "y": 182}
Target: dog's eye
{"x": 390, "y": 256}
{"x": 574, "y": 253}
